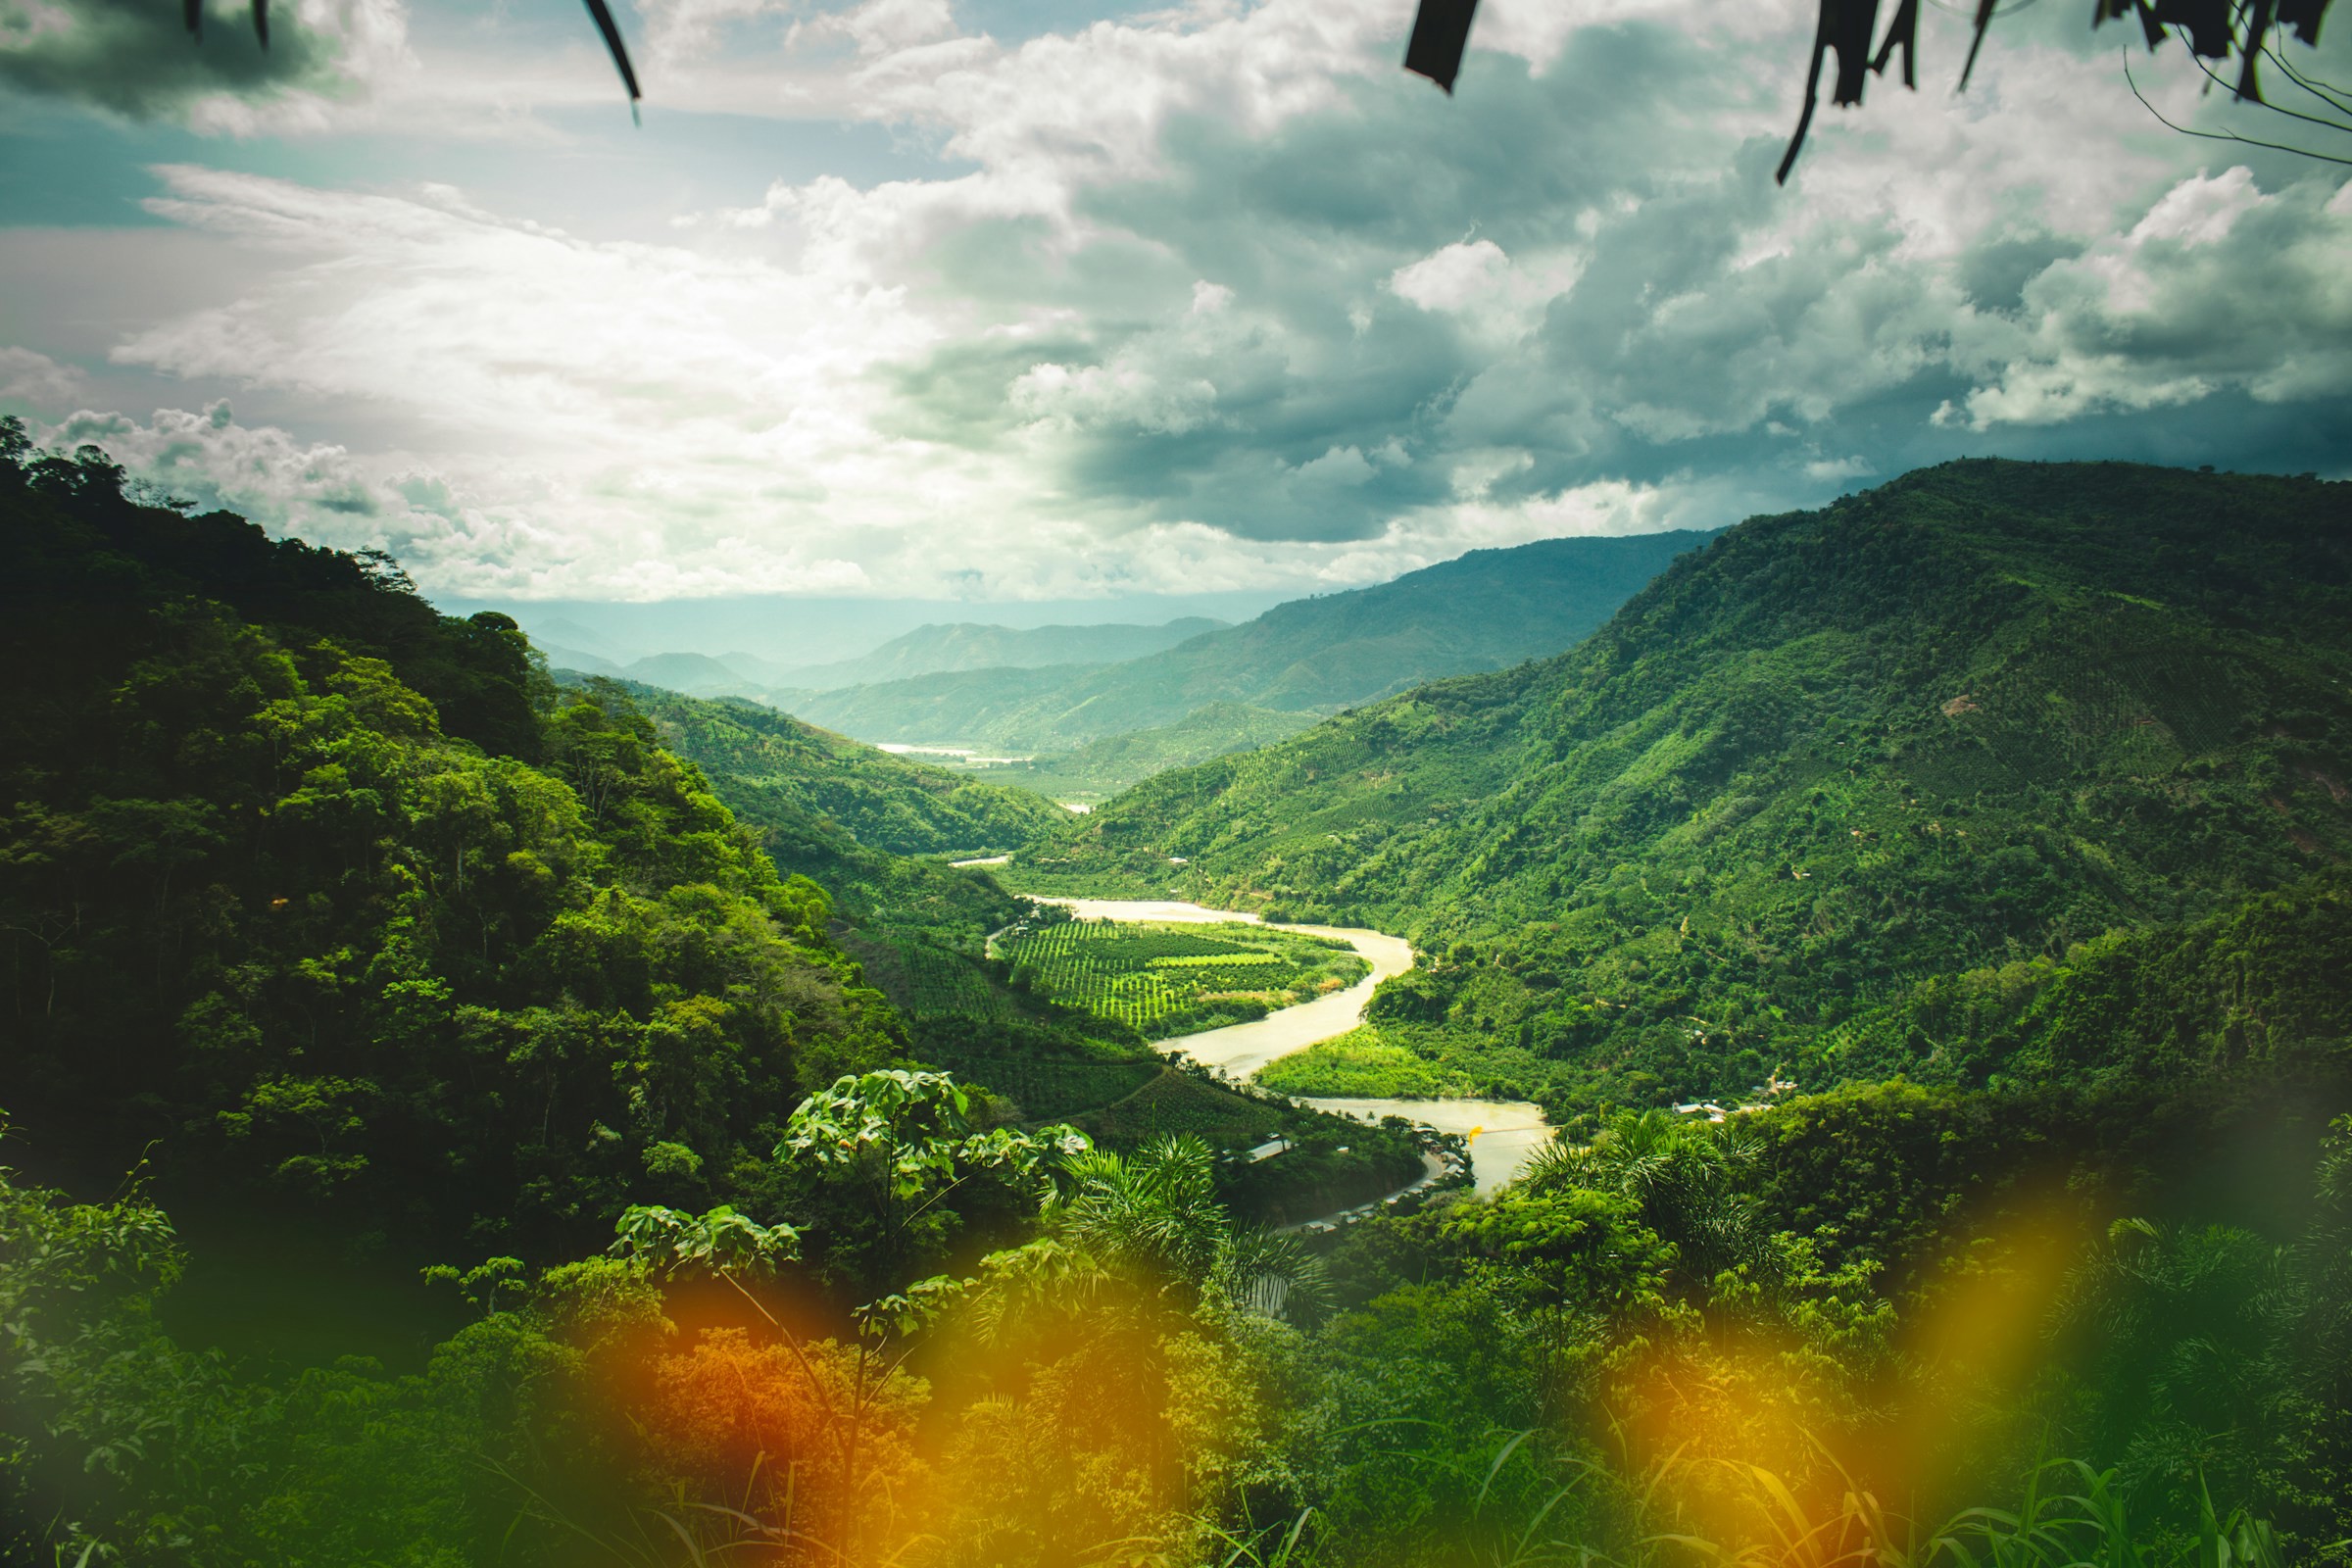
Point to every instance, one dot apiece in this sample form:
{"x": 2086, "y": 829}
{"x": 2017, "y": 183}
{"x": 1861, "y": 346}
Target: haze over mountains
{"x": 920, "y": 651}
{"x": 783, "y": 632}
{"x": 1487, "y": 610}
{"x": 1102, "y": 706}
{"x": 964, "y": 645}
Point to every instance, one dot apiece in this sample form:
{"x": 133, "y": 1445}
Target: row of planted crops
{"x": 1149, "y": 976}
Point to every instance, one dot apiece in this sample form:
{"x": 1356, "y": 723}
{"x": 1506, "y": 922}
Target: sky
{"x": 1030, "y": 307}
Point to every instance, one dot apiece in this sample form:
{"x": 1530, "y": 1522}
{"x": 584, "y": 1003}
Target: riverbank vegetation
{"x": 1372, "y": 1060}
{"x": 445, "y": 1127}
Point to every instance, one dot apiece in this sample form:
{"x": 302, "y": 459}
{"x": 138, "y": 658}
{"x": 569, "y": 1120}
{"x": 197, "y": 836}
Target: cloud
{"x": 1454, "y": 277}
{"x": 36, "y": 380}
{"x": 267, "y": 474}
{"x": 677, "y": 31}
{"x": 1218, "y": 297}
{"x": 134, "y": 58}
{"x": 2219, "y": 286}
{"x": 886, "y": 26}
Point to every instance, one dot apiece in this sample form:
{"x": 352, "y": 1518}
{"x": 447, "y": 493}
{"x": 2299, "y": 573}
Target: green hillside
{"x": 854, "y": 821}
{"x": 1979, "y": 716}
{"x": 346, "y": 921}
{"x": 1487, "y": 610}
{"x": 884, "y": 802}
{"x": 1103, "y": 768}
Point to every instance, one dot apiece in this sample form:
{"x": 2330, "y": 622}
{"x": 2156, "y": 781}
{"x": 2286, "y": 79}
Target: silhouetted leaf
{"x": 1903, "y": 32}
{"x": 603, "y": 14}
{"x": 1440, "y": 32}
{"x": 1976, "y": 41}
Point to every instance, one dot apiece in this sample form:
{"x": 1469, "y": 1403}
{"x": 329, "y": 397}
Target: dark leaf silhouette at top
{"x": 1440, "y": 32}
{"x": 1845, "y": 27}
{"x": 601, "y": 13}
{"x": 192, "y": 13}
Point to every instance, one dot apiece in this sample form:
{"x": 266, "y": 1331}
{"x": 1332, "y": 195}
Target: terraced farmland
{"x": 1166, "y": 980}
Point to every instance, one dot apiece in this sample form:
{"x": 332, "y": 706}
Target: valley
{"x": 1502, "y": 1136}
{"x": 1647, "y": 1020}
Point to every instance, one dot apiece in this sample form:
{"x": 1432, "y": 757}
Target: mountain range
{"x": 924, "y": 650}
{"x": 795, "y": 771}
{"x": 1487, "y": 610}
{"x": 929, "y": 650}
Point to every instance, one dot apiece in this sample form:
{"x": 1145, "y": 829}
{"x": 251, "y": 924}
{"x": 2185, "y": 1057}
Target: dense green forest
{"x": 333, "y": 908}
{"x": 453, "y": 1120}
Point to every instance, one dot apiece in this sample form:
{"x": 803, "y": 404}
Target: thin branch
{"x": 935, "y": 1198}
{"x": 2323, "y": 91}
{"x": 2310, "y": 120}
{"x": 1804, "y": 119}
{"x": 2224, "y": 135}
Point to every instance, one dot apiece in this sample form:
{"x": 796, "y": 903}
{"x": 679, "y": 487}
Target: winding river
{"x": 1503, "y": 1134}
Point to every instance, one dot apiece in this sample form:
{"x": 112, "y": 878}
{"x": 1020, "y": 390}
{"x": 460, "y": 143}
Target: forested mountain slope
{"x": 884, "y": 802}
{"x": 1484, "y": 610}
{"x": 1979, "y": 714}
{"x": 346, "y": 918}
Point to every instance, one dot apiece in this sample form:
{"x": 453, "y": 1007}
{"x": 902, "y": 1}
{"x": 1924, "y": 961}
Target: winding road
{"x": 1503, "y": 1134}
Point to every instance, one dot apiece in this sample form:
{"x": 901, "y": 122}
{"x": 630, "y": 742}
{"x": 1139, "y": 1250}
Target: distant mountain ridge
{"x": 965, "y": 645}
{"x": 926, "y": 650}
{"x": 1487, "y": 610}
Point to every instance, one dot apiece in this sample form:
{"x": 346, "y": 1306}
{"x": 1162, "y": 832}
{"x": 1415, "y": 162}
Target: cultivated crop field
{"x": 1173, "y": 979}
